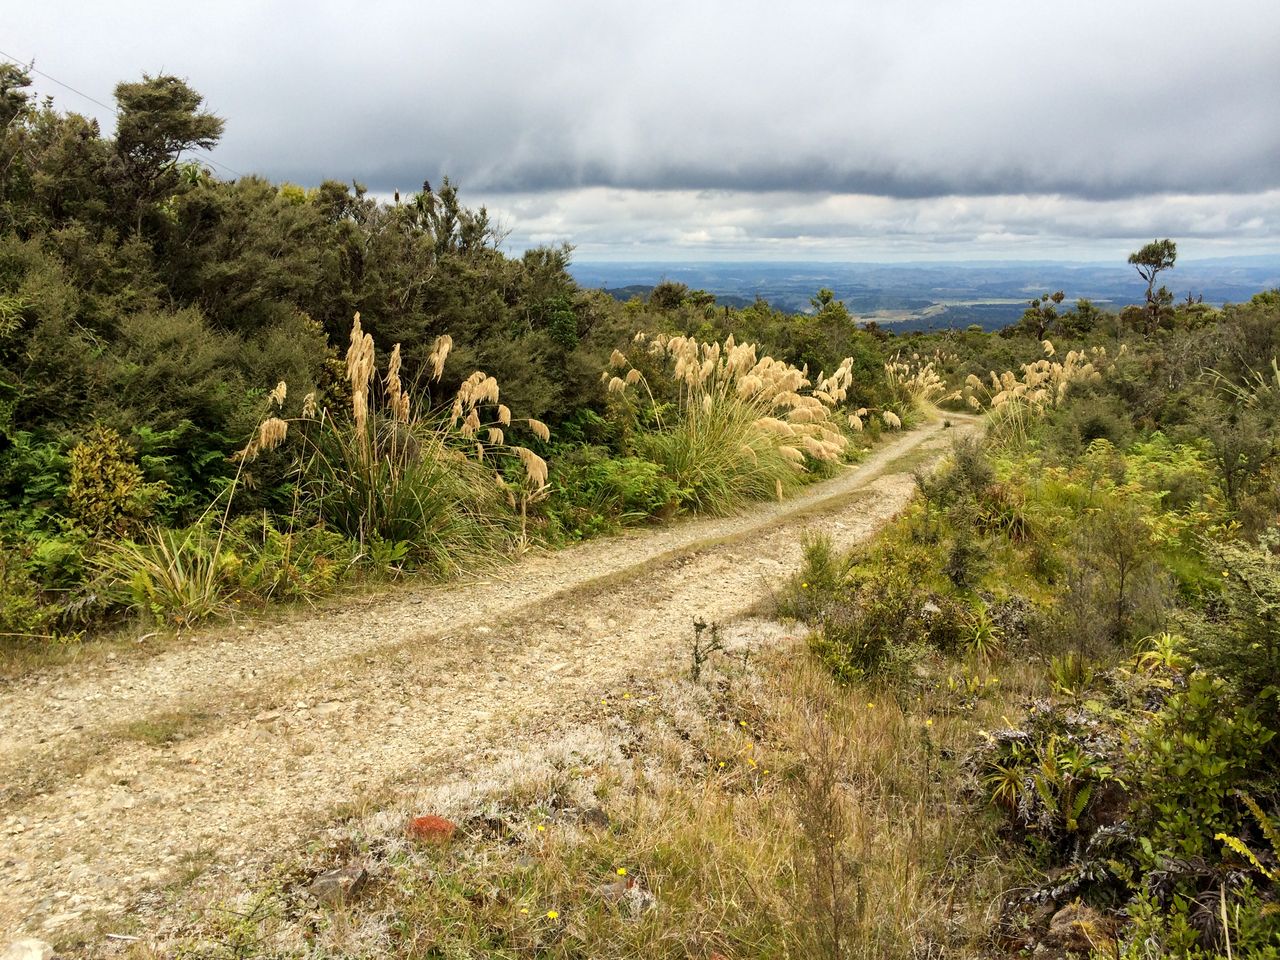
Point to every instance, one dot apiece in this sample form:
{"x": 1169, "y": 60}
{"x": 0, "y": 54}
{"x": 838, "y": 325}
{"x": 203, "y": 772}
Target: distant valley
{"x": 934, "y": 295}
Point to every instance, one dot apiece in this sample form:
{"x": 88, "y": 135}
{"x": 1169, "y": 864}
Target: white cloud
{"x": 800, "y": 115}
{"x": 605, "y": 223}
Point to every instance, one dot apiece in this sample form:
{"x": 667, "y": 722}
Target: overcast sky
{"x": 902, "y": 129}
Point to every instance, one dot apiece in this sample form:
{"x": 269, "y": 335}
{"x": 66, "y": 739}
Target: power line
{"x": 106, "y": 106}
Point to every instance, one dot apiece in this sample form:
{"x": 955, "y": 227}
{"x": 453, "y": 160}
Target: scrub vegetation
{"x": 1036, "y": 716}
{"x": 216, "y": 395}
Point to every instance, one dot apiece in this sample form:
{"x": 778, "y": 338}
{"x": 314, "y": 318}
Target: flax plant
{"x": 742, "y": 427}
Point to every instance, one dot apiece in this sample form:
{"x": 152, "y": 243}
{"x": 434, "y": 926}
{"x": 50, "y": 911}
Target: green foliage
{"x": 172, "y": 577}
{"x": 821, "y": 580}
{"x": 271, "y": 564}
{"x": 1243, "y": 645}
{"x": 1154, "y": 258}
{"x": 593, "y": 492}
{"x": 1203, "y": 747}
{"x": 158, "y": 120}
{"x": 23, "y": 613}
{"x": 106, "y": 493}
{"x": 1071, "y": 673}
{"x": 981, "y": 638}
{"x": 965, "y": 554}
{"x": 1193, "y": 927}
{"x": 877, "y": 629}
{"x": 1270, "y": 828}
{"x": 1044, "y": 778}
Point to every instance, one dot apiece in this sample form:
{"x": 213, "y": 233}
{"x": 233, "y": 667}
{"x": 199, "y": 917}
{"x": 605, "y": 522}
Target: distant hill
{"x": 934, "y": 295}
{"x": 642, "y": 290}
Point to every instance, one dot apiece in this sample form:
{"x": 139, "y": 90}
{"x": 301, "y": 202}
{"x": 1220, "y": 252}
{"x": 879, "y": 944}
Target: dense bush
{"x": 594, "y": 492}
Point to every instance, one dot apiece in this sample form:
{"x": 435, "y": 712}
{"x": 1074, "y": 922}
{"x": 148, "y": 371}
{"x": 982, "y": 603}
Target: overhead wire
{"x": 30, "y": 68}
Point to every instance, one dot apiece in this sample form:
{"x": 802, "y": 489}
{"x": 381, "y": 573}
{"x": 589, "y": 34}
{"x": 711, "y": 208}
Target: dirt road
{"x": 118, "y": 777}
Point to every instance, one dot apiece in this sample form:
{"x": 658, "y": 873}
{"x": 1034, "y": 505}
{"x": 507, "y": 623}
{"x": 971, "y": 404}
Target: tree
{"x": 159, "y": 120}
{"x": 668, "y": 294}
{"x": 1041, "y": 315}
{"x": 823, "y": 299}
{"x": 13, "y": 93}
{"x": 1156, "y": 256}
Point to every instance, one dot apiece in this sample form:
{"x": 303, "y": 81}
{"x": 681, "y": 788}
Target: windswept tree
{"x": 1154, "y": 257}
{"x": 14, "y": 81}
{"x": 1041, "y": 315}
{"x": 159, "y": 120}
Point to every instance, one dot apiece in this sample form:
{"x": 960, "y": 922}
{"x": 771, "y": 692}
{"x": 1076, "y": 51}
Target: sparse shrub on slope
{"x": 740, "y": 427}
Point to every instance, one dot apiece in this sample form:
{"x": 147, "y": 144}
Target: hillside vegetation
{"x": 191, "y": 421}
{"x": 1037, "y": 716}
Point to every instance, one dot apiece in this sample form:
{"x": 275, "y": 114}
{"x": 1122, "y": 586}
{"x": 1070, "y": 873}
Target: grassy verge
{"x": 762, "y": 811}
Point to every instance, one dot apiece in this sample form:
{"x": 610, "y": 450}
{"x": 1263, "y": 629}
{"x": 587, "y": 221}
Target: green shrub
{"x": 878, "y": 630}
{"x": 593, "y": 492}
{"x": 23, "y": 612}
{"x": 1192, "y": 927}
{"x": 966, "y": 554}
{"x": 1202, "y": 749}
{"x": 271, "y": 564}
{"x": 106, "y": 493}
{"x": 1243, "y": 645}
{"x": 173, "y": 577}
{"x": 819, "y": 583}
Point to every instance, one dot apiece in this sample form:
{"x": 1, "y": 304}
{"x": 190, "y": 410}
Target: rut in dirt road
{"x": 118, "y": 777}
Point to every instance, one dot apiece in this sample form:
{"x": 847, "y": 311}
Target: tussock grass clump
{"x": 174, "y": 577}
{"x": 440, "y": 479}
{"x": 1015, "y": 400}
{"x": 740, "y": 427}
{"x": 387, "y": 479}
{"x": 914, "y": 382}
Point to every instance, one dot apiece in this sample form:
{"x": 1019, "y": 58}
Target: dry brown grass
{"x": 766, "y": 812}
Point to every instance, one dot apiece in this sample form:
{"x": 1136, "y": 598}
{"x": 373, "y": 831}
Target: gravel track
{"x": 117, "y": 777}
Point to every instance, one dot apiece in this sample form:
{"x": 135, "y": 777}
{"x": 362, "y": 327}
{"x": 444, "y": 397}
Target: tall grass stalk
{"x": 1017, "y": 400}
{"x": 438, "y": 478}
{"x": 740, "y": 427}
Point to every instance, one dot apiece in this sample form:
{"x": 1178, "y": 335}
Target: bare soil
{"x": 120, "y": 778}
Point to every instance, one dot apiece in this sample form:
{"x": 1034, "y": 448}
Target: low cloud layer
{"x": 721, "y": 224}
{"x": 843, "y": 121}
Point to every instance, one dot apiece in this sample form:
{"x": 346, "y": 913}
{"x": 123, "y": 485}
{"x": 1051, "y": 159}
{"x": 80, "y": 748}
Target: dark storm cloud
{"x": 1092, "y": 101}
{"x": 904, "y": 99}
